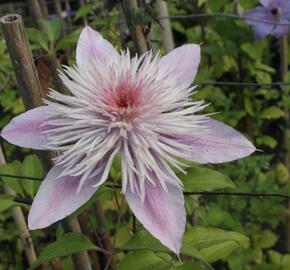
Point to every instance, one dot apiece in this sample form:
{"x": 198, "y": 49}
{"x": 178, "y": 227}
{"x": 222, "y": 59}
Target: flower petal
{"x": 183, "y": 63}
{"x": 57, "y": 198}
{"x": 91, "y": 45}
{"x": 220, "y": 143}
{"x": 25, "y": 130}
{"x": 162, "y": 213}
{"x": 260, "y": 29}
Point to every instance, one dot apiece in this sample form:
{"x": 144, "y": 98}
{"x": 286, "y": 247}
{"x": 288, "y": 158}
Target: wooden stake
{"x": 35, "y": 12}
{"x": 130, "y": 8}
{"x": 283, "y": 72}
{"x": 167, "y": 37}
{"x": 20, "y": 222}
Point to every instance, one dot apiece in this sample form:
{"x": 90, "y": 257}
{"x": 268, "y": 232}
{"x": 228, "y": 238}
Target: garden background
{"x": 238, "y": 215}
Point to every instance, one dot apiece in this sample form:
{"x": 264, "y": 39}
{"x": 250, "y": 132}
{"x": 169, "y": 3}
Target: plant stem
{"x": 285, "y": 142}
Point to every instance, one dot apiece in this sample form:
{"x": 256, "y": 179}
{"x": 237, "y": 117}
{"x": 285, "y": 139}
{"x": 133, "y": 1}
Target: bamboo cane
{"x": 166, "y": 31}
{"x": 285, "y": 142}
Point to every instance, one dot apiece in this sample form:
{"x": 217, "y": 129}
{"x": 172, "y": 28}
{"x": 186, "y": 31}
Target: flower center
{"x": 124, "y": 102}
{"x": 274, "y": 11}
{"x": 124, "y": 99}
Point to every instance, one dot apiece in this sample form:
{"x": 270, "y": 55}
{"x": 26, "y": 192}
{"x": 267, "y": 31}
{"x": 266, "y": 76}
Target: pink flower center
{"x": 124, "y": 101}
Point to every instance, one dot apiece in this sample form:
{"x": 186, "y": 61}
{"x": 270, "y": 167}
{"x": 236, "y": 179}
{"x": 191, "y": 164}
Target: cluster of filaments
{"x": 131, "y": 107}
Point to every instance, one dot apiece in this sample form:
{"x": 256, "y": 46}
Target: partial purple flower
{"x": 138, "y": 108}
{"x": 276, "y": 11}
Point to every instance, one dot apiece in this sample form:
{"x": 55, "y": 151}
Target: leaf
{"x": 52, "y": 29}
{"x": 67, "y": 244}
{"x": 187, "y": 266}
{"x": 267, "y": 140}
{"x": 249, "y": 106}
{"x": 55, "y": 26}
{"x": 83, "y": 11}
{"x": 265, "y": 239}
{"x": 31, "y": 167}
{"x": 272, "y": 113}
{"x": 253, "y": 50}
{"x": 38, "y": 38}
{"x": 143, "y": 240}
{"x": 68, "y": 41}
{"x": 13, "y": 168}
{"x": 7, "y": 202}
{"x": 213, "y": 243}
{"x": 204, "y": 179}
{"x": 143, "y": 260}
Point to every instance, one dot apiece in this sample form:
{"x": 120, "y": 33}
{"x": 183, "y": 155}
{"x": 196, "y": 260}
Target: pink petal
{"x": 57, "y": 198}
{"x": 91, "y": 45}
{"x": 183, "y": 62}
{"x": 220, "y": 143}
{"x": 161, "y": 213}
{"x": 25, "y": 130}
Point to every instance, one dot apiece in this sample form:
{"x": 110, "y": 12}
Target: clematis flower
{"x": 276, "y": 11}
{"x": 138, "y": 108}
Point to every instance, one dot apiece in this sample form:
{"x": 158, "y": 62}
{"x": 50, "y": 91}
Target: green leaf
{"x": 13, "y": 168}
{"x": 188, "y": 266}
{"x": 267, "y": 140}
{"x": 204, "y": 179}
{"x": 31, "y": 167}
{"x": 143, "y": 240}
{"x": 265, "y": 239}
{"x": 272, "y": 113}
{"x": 213, "y": 243}
{"x": 84, "y": 11}
{"x": 253, "y": 50}
{"x": 143, "y": 260}
{"x": 67, "y": 244}
{"x": 37, "y": 37}
{"x": 249, "y": 106}
{"x": 55, "y": 26}
{"x": 52, "y": 29}
{"x": 68, "y": 41}
{"x": 7, "y": 202}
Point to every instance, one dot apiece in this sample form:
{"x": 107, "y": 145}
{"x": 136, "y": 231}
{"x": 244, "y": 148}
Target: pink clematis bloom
{"x": 140, "y": 109}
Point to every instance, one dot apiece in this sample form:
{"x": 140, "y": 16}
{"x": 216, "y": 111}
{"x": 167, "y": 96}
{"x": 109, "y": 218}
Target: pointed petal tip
{"x": 162, "y": 214}
{"x": 57, "y": 199}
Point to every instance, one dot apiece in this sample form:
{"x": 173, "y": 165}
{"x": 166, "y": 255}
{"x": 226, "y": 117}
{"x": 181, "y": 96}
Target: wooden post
{"x": 25, "y": 71}
{"x": 35, "y": 12}
{"x": 130, "y": 8}
{"x": 43, "y": 8}
{"x": 30, "y": 90}
{"x": 286, "y": 137}
{"x": 19, "y": 220}
{"x": 166, "y": 31}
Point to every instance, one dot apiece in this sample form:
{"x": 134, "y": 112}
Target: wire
{"x": 242, "y": 84}
{"x": 245, "y": 194}
{"x": 225, "y": 15}
{"x": 21, "y": 177}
